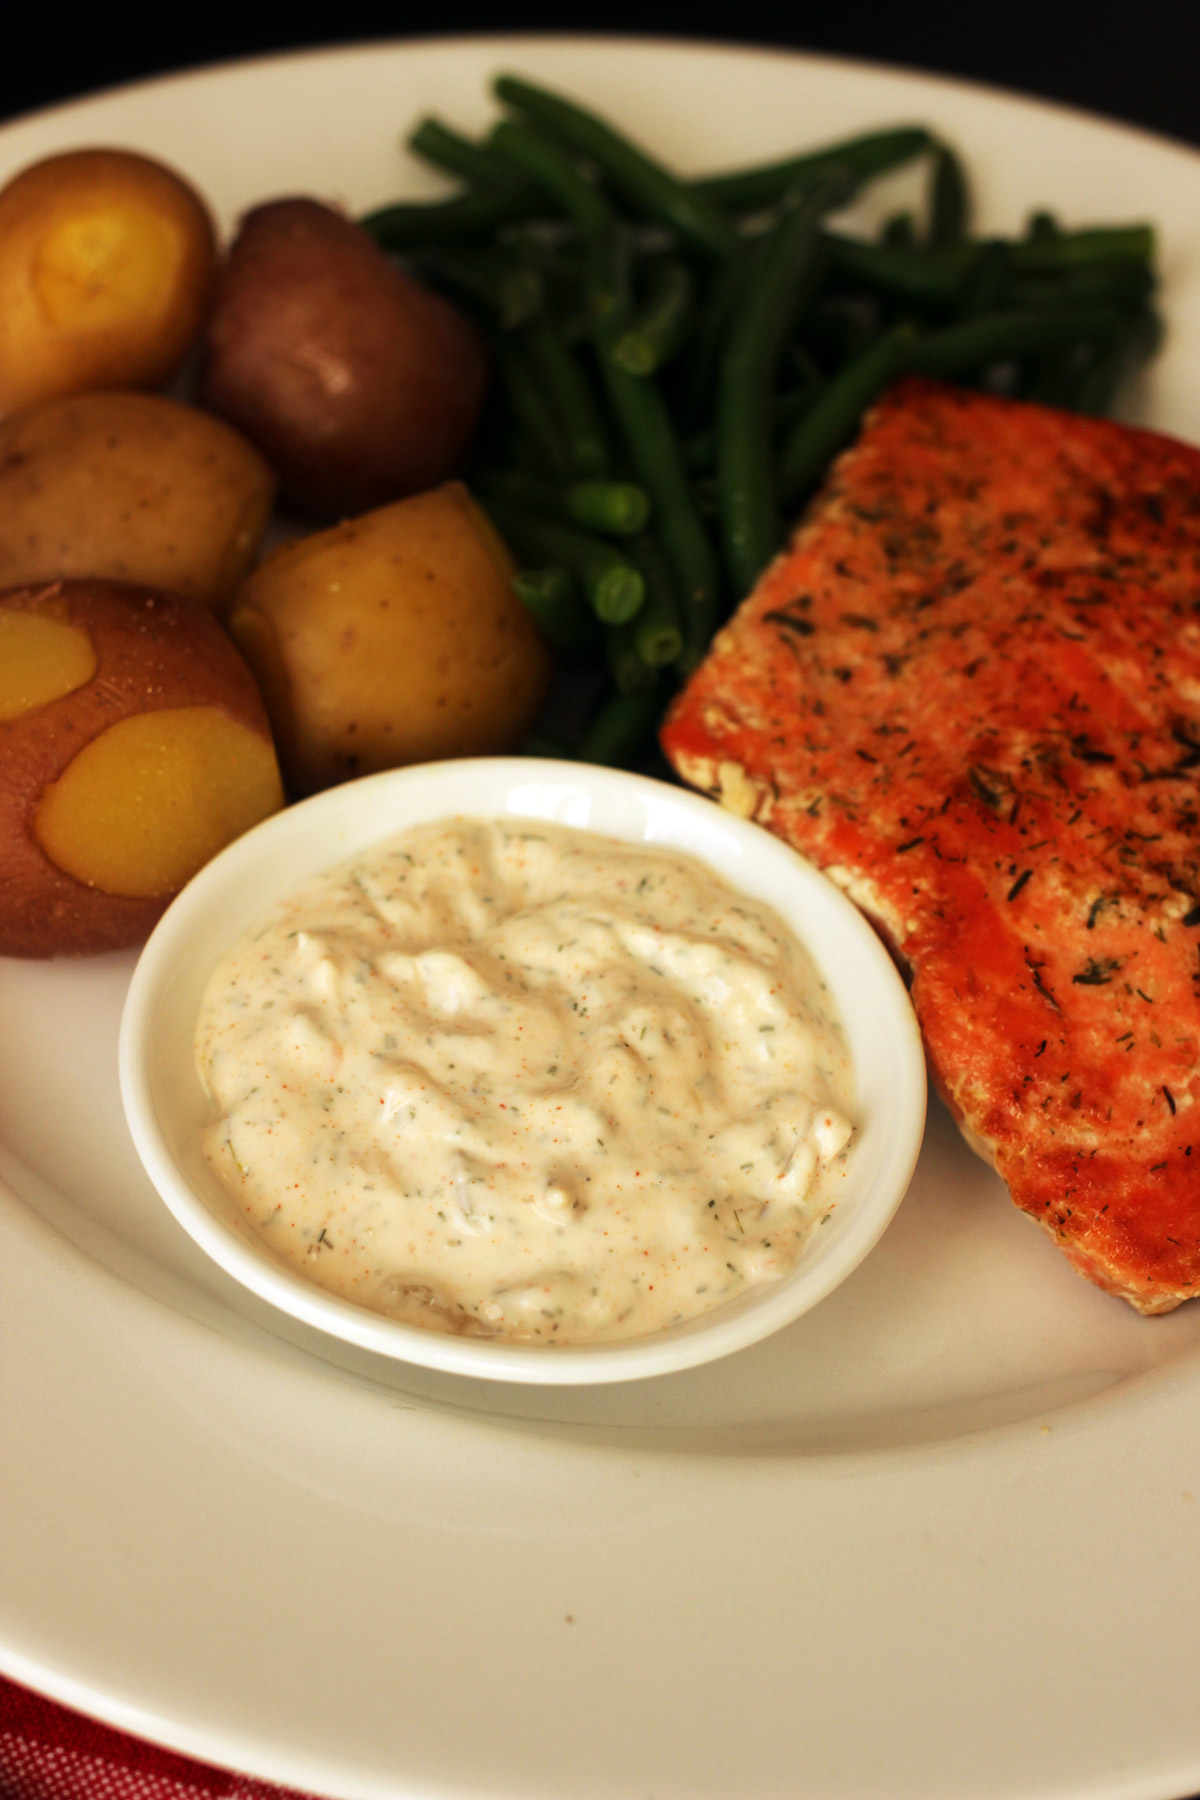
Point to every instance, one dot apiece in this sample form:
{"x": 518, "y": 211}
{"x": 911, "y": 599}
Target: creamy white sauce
{"x": 521, "y": 1081}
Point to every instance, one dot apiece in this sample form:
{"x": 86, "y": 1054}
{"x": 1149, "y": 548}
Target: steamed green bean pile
{"x": 678, "y": 360}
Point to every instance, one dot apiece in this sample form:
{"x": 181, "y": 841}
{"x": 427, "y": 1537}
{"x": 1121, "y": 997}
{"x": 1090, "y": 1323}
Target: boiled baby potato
{"x": 358, "y": 384}
{"x": 130, "y": 487}
{"x": 393, "y": 638}
{"x": 133, "y": 747}
{"x": 107, "y": 260}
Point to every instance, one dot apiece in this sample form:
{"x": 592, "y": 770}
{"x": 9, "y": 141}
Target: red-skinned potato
{"x": 133, "y": 746}
{"x": 107, "y": 259}
{"x": 357, "y": 383}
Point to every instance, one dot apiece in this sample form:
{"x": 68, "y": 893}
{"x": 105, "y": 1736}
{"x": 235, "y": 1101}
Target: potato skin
{"x": 130, "y": 487}
{"x": 153, "y": 651}
{"x": 358, "y": 384}
{"x": 107, "y": 259}
{"x": 393, "y": 638}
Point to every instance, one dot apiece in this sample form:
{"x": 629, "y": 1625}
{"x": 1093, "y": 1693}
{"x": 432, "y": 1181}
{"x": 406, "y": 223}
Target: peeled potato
{"x": 358, "y": 383}
{"x": 133, "y": 747}
{"x": 393, "y": 638}
{"x": 107, "y": 259}
{"x": 130, "y": 487}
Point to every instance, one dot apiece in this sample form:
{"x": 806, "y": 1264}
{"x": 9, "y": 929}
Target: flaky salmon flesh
{"x": 970, "y": 691}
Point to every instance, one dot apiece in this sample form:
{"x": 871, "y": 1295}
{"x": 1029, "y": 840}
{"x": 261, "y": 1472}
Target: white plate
{"x": 939, "y": 1538}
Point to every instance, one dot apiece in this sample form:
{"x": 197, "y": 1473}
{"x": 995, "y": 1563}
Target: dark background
{"x": 1139, "y": 61}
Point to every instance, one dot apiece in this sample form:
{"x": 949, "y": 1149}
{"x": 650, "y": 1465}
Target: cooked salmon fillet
{"x": 970, "y": 690}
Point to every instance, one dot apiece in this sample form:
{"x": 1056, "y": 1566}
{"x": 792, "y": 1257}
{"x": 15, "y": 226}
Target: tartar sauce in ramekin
{"x": 520, "y": 1081}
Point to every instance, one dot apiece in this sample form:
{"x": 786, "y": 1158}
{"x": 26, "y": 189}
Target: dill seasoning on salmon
{"x": 1004, "y": 773}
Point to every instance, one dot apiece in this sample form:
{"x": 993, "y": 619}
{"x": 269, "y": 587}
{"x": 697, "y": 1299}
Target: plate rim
{"x": 258, "y": 61}
{"x": 190, "y": 1742}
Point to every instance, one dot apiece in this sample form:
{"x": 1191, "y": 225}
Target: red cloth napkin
{"x": 50, "y": 1753}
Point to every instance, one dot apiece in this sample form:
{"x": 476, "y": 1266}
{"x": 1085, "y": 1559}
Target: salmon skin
{"x": 970, "y": 691}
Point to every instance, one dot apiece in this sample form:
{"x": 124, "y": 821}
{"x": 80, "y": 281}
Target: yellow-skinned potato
{"x": 107, "y": 260}
{"x": 394, "y": 638}
{"x": 133, "y": 747}
{"x": 130, "y": 487}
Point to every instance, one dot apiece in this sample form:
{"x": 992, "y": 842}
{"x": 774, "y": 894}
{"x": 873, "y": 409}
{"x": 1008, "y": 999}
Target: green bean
{"x": 985, "y": 288}
{"x": 800, "y": 365}
{"x": 581, "y": 202}
{"x": 521, "y": 487}
{"x": 614, "y": 588}
{"x": 1079, "y": 249}
{"x": 898, "y": 231}
{"x": 536, "y": 156}
{"x": 949, "y": 203}
{"x": 698, "y": 451}
{"x": 862, "y": 157}
{"x": 654, "y": 452}
{"x": 1098, "y": 384}
{"x": 617, "y": 593}
{"x": 656, "y": 631}
{"x": 659, "y": 329}
{"x": 559, "y": 260}
{"x": 614, "y": 508}
{"x": 568, "y": 393}
{"x": 694, "y": 376}
{"x": 622, "y": 729}
{"x": 995, "y": 337}
{"x": 625, "y": 663}
{"x": 838, "y": 326}
{"x": 471, "y": 215}
{"x": 1054, "y": 379}
{"x": 836, "y": 413}
{"x": 1118, "y": 283}
{"x": 449, "y": 150}
{"x": 786, "y": 407}
{"x": 552, "y": 598}
{"x": 650, "y": 186}
{"x": 933, "y": 275}
{"x": 508, "y": 289}
{"x": 1096, "y": 387}
{"x": 535, "y": 417}
{"x": 787, "y": 259}
{"x": 610, "y": 508}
